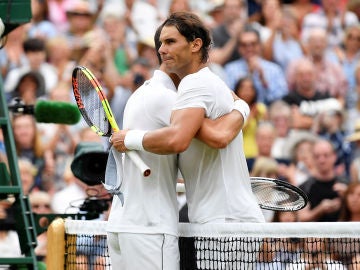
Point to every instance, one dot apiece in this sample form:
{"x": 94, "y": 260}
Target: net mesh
{"x": 234, "y": 246}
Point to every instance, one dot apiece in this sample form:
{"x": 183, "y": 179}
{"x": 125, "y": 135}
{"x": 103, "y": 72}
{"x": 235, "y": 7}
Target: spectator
{"x": 314, "y": 257}
{"x": 30, "y": 87}
{"x": 301, "y": 165}
{"x": 12, "y": 54}
{"x": 350, "y": 210}
{"x": 332, "y": 19}
{"x": 35, "y": 52}
{"x": 122, "y": 40}
{"x": 264, "y": 137}
{"x": 28, "y": 173}
{"x": 59, "y": 55}
{"x": 283, "y": 45}
{"x": 280, "y": 117}
{"x": 323, "y": 188}
{"x": 40, "y": 26}
{"x": 329, "y": 125}
{"x": 330, "y": 77}
{"x": 40, "y": 204}
{"x": 354, "y": 139}
{"x": 305, "y": 100}
{"x": 269, "y": 79}
{"x": 98, "y": 57}
{"x": 348, "y": 55}
{"x": 269, "y": 19}
{"x": 143, "y": 26}
{"x": 353, "y": 102}
{"x": 57, "y": 14}
{"x": 225, "y": 35}
{"x": 300, "y": 8}
{"x": 245, "y": 90}
{"x": 81, "y": 16}
{"x": 28, "y": 145}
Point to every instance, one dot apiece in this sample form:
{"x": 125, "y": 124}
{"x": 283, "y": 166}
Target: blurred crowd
{"x": 296, "y": 63}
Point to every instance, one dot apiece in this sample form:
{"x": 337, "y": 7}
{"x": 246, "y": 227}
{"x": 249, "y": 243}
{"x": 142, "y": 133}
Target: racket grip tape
{"x": 134, "y": 156}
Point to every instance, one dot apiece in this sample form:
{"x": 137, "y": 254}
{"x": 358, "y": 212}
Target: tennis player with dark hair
{"x": 143, "y": 229}
{"x": 217, "y": 181}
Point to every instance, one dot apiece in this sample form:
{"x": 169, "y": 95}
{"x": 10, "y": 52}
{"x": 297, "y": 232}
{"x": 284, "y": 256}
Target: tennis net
{"x": 296, "y": 245}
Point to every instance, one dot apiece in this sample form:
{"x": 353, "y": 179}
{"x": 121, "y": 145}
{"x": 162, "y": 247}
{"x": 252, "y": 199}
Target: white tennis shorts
{"x": 129, "y": 251}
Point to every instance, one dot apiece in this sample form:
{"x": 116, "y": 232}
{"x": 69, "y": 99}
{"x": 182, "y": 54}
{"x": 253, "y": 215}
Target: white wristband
{"x": 242, "y": 107}
{"x": 133, "y": 139}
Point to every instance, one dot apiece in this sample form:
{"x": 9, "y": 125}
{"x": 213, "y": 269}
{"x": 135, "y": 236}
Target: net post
{"x": 55, "y": 258}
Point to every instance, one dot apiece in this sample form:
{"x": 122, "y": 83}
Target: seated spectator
{"x": 280, "y": 117}
{"x": 245, "y": 90}
{"x": 329, "y": 125}
{"x": 30, "y": 87}
{"x": 283, "y": 44}
{"x": 330, "y": 17}
{"x": 264, "y": 137}
{"x": 268, "y": 77}
{"x": 36, "y": 54}
{"x": 330, "y": 77}
{"x": 323, "y": 188}
{"x": 305, "y": 100}
{"x": 28, "y": 173}
{"x": 40, "y": 204}
{"x": 354, "y": 139}
{"x": 39, "y": 25}
{"x": 302, "y": 165}
{"x": 350, "y": 210}
{"x": 28, "y": 145}
{"x": 12, "y": 53}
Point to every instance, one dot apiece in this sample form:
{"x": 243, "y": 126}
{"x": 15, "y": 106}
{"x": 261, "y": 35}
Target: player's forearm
{"x": 165, "y": 141}
{"x": 220, "y": 132}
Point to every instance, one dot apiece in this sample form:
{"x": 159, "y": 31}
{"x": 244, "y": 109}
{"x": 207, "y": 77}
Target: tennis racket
{"x": 278, "y": 195}
{"x": 95, "y": 109}
{"x": 273, "y": 194}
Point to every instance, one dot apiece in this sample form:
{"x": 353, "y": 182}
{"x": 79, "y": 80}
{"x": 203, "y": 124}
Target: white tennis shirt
{"x": 217, "y": 181}
{"x": 150, "y": 203}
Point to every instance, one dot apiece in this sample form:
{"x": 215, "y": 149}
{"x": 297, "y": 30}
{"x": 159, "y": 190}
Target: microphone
{"x": 49, "y": 111}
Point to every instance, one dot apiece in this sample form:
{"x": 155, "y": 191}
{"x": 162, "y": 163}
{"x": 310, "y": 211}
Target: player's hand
{"x": 117, "y": 140}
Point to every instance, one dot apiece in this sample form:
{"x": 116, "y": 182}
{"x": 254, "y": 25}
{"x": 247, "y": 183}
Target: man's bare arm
{"x": 176, "y": 138}
{"x": 220, "y": 132}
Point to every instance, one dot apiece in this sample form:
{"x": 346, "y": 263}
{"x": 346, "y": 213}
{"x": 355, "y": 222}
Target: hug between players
{"x": 294, "y": 65}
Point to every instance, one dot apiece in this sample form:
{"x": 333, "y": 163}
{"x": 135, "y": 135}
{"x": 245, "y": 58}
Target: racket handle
{"x": 134, "y": 156}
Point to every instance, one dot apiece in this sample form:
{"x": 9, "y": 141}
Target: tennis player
{"x": 142, "y": 231}
{"x": 217, "y": 181}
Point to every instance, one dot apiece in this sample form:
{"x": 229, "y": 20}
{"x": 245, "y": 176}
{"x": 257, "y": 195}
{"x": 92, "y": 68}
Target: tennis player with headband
{"x": 142, "y": 232}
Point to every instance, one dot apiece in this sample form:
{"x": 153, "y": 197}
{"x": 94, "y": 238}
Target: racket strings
{"x": 92, "y": 102}
{"x": 270, "y": 195}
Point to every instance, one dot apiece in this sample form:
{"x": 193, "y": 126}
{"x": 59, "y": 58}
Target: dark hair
{"x": 345, "y": 213}
{"x": 191, "y": 27}
{"x": 34, "y": 45}
{"x": 36, "y": 77}
{"x": 157, "y": 42}
{"x": 240, "y": 82}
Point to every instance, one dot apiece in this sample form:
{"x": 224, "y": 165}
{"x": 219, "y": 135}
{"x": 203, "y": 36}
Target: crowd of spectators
{"x": 296, "y": 63}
